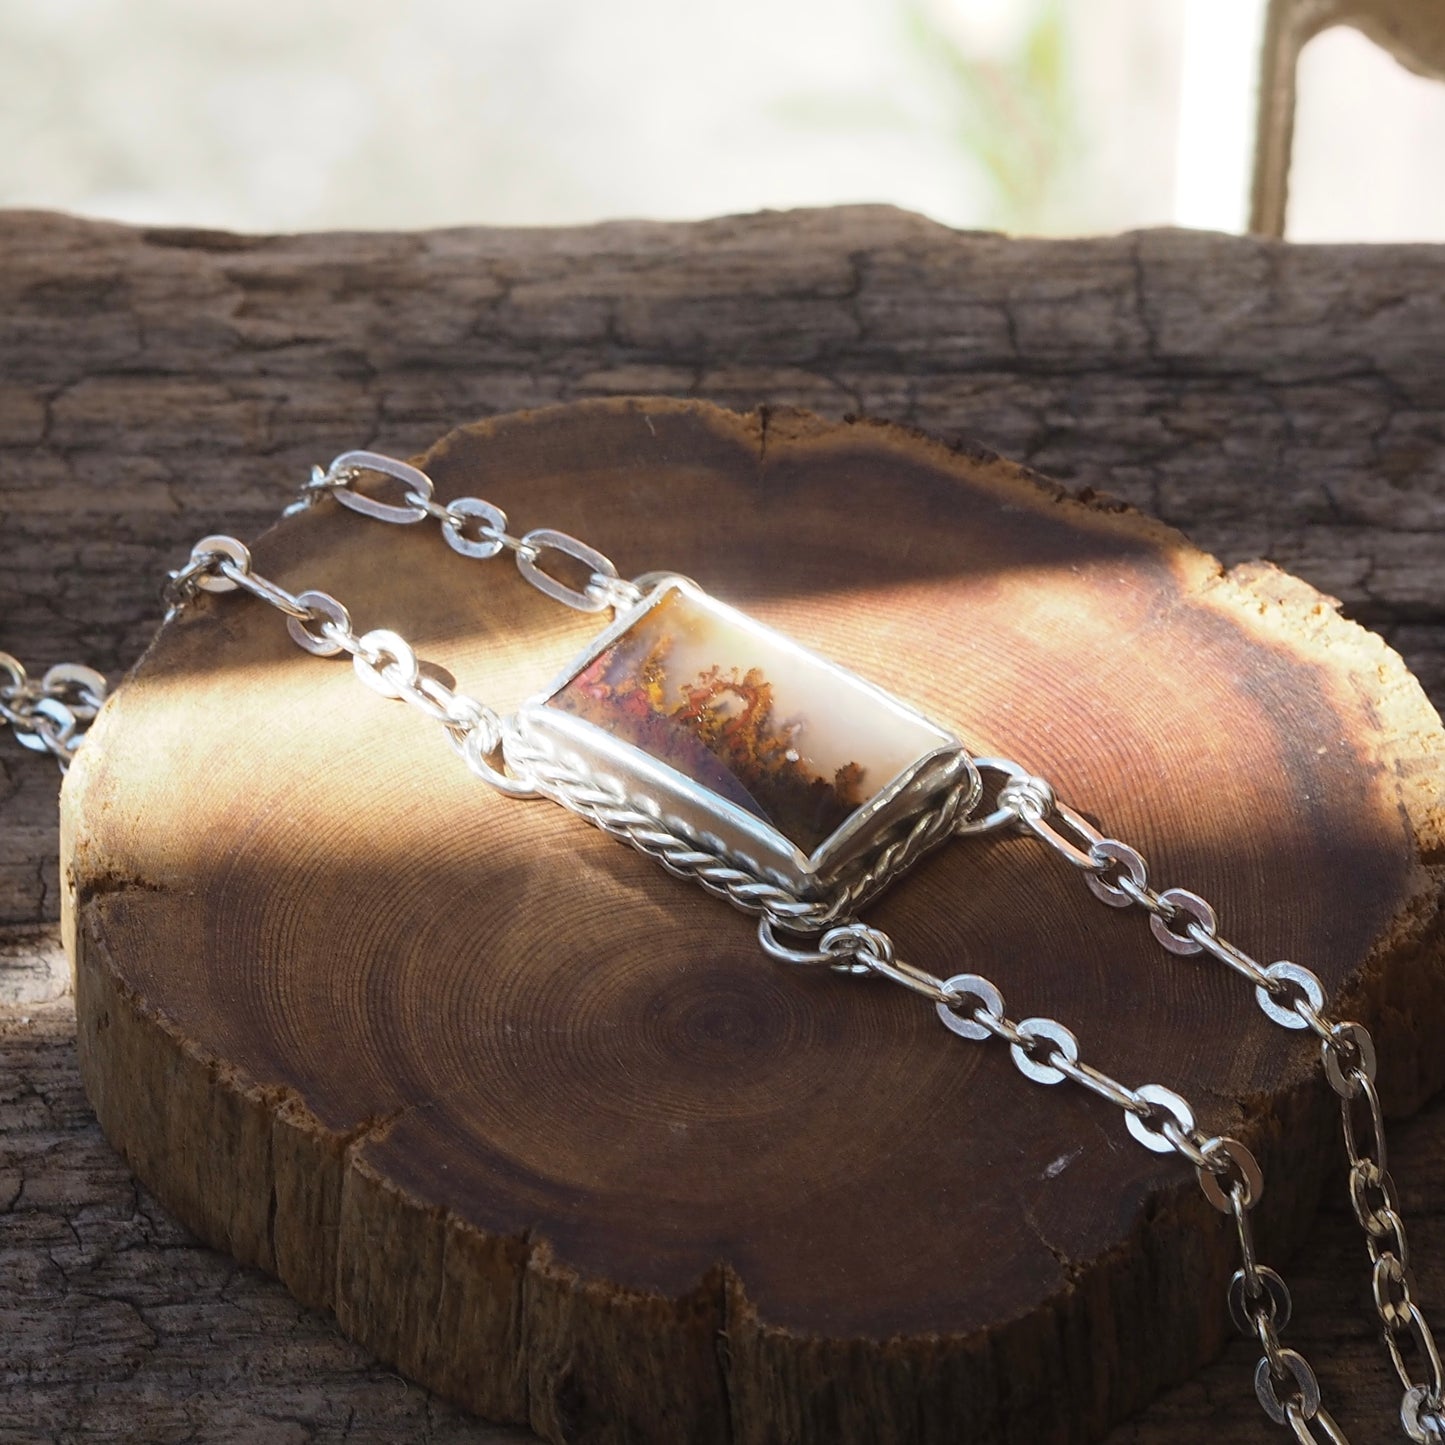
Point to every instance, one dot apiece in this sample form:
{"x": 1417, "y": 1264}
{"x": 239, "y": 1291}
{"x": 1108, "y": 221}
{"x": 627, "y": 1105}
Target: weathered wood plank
{"x": 156, "y": 385}
{"x": 114, "y": 1323}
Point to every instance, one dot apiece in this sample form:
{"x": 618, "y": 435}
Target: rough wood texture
{"x": 539, "y": 1126}
{"x": 1273, "y": 401}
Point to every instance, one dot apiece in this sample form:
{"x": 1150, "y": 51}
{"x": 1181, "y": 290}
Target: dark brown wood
{"x": 124, "y": 1324}
{"x": 541, "y": 1126}
{"x": 1280, "y": 401}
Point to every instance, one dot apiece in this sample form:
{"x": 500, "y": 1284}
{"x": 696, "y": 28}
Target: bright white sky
{"x": 268, "y": 114}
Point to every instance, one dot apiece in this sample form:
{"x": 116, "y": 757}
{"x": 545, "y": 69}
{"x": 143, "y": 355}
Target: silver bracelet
{"x": 702, "y": 738}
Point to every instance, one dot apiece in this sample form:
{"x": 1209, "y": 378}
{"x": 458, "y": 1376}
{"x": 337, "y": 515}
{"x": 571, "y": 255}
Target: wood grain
{"x": 545, "y": 1133}
{"x": 1275, "y": 401}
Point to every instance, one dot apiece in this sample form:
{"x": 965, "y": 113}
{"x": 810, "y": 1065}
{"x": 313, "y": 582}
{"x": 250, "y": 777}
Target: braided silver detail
{"x": 604, "y": 804}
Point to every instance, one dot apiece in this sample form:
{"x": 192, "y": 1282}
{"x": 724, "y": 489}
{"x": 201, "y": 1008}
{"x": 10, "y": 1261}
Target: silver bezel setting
{"x": 588, "y": 758}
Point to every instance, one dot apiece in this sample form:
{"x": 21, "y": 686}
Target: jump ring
{"x": 386, "y": 663}
{"x": 1109, "y": 852}
{"x": 489, "y": 543}
{"x": 1044, "y": 1071}
{"x": 1181, "y": 900}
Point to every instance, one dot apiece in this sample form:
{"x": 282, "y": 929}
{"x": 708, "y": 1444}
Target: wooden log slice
{"x": 540, "y": 1123}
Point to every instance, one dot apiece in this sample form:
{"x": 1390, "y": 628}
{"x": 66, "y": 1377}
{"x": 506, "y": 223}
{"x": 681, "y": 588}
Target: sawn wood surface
{"x": 1272, "y": 401}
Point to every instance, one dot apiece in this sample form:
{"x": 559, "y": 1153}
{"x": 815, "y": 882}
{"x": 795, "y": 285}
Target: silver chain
{"x": 1292, "y": 997}
{"x": 472, "y": 527}
{"x": 320, "y": 625}
{"x": 52, "y": 715}
{"x": 1046, "y": 1052}
{"x": 383, "y": 660}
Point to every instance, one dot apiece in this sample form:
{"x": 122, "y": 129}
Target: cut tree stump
{"x": 542, "y": 1125}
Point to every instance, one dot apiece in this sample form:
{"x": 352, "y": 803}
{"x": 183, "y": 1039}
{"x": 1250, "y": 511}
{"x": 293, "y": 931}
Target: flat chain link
{"x": 383, "y": 661}
{"x": 1047, "y": 1053}
{"x": 1292, "y": 997}
{"x": 474, "y": 528}
{"x": 50, "y": 714}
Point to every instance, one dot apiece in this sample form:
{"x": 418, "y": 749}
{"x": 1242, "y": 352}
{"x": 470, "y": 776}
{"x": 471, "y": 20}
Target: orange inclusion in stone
{"x": 722, "y": 732}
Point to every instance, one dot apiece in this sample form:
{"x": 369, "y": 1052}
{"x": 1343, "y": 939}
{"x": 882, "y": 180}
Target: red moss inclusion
{"x": 718, "y": 727}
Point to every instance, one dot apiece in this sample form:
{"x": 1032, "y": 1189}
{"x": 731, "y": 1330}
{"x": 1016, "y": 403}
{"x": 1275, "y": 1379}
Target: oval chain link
{"x": 473, "y": 528}
{"x": 1292, "y": 997}
{"x": 51, "y": 714}
{"x": 1046, "y": 1052}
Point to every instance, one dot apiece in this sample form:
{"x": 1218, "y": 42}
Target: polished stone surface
{"x": 747, "y": 714}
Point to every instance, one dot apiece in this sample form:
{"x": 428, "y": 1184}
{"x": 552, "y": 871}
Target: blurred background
{"x": 1045, "y": 116}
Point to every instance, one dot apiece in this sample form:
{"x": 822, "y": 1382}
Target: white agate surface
{"x": 748, "y": 714}
{"x": 833, "y": 718}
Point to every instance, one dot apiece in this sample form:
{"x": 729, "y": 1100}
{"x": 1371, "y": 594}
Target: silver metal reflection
{"x": 716, "y": 824}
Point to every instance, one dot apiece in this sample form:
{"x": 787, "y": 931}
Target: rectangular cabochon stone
{"x": 749, "y": 716}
